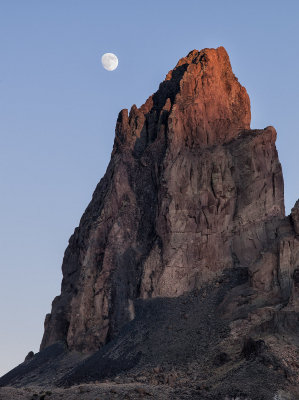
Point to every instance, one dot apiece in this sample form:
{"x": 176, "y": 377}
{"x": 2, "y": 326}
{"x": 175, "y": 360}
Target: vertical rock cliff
{"x": 189, "y": 192}
{"x": 183, "y": 274}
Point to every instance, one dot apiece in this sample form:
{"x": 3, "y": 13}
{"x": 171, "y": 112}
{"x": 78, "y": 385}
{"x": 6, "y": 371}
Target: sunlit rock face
{"x": 190, "y": 191}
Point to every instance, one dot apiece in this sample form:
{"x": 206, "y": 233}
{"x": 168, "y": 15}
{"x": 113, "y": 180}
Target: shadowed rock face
{"x": 190, "y": 191}
{"x": 184, "y": 270}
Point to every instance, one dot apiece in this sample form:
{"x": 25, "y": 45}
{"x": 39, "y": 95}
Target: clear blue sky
{"x": 58, "y": 109}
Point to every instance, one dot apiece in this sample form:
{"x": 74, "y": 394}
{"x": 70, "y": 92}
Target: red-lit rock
{"x": 190, "y": 191}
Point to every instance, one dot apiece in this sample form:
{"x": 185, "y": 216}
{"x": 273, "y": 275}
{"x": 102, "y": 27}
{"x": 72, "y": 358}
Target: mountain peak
{"x": 204, "y": 56}
{"x": 201, "y": 101}
{"x": 184, "y": 257}
{"x": 164, "y": 218}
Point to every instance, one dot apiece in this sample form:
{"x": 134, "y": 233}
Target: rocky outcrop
{"x": 29, "y": 356}
{"x": 189, "y": 192}
{"x": 295, "y": 217}
{"x": 184, "y": 256}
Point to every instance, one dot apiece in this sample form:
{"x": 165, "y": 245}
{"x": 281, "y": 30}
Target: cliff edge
{"x": 184, "y": 260}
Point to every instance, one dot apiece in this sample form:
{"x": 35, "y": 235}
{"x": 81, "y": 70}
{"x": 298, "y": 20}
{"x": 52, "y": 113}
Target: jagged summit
{"x": 200, "y": 102}
{"x": 174, "y": 207}
{"x": 184, "y": 259}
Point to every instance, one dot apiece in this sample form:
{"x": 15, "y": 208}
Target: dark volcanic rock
{"x": 29, "y": 356}
{"x": 253, "y": 348}
{"x": 32, "y": 367}
{"x": 295, "y": 217}
{"x": 184, "y": 270}
{"x": 188, "y": 192}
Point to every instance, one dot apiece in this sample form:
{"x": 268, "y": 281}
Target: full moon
{"x": 109, "y": 61}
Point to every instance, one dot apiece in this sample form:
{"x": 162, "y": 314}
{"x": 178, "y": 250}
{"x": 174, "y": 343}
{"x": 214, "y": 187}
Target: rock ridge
{"x": 184, "y": 270}
{"x": 177, "y": 205}
{"x": 200, "y": 102}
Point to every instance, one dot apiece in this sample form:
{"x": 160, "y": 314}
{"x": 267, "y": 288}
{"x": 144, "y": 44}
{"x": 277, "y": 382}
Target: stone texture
{"x": 295, "y": 217}
{"x": 189, "y": 192}
{"x": 184, "y": 270}
{"x": 29, "y": 356}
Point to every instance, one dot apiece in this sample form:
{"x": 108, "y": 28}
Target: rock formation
{"x": 191, "y": 204}
{"x": 186, "y": 194}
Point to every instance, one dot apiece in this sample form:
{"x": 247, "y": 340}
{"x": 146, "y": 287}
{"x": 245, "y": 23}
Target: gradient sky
{"x": 58, "y": 109}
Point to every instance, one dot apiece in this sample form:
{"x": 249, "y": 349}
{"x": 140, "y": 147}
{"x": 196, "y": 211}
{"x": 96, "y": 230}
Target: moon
{"x": 109, "y": 61}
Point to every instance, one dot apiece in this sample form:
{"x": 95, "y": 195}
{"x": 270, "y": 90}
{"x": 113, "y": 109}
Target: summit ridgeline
{"x": 184, "y": 269}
